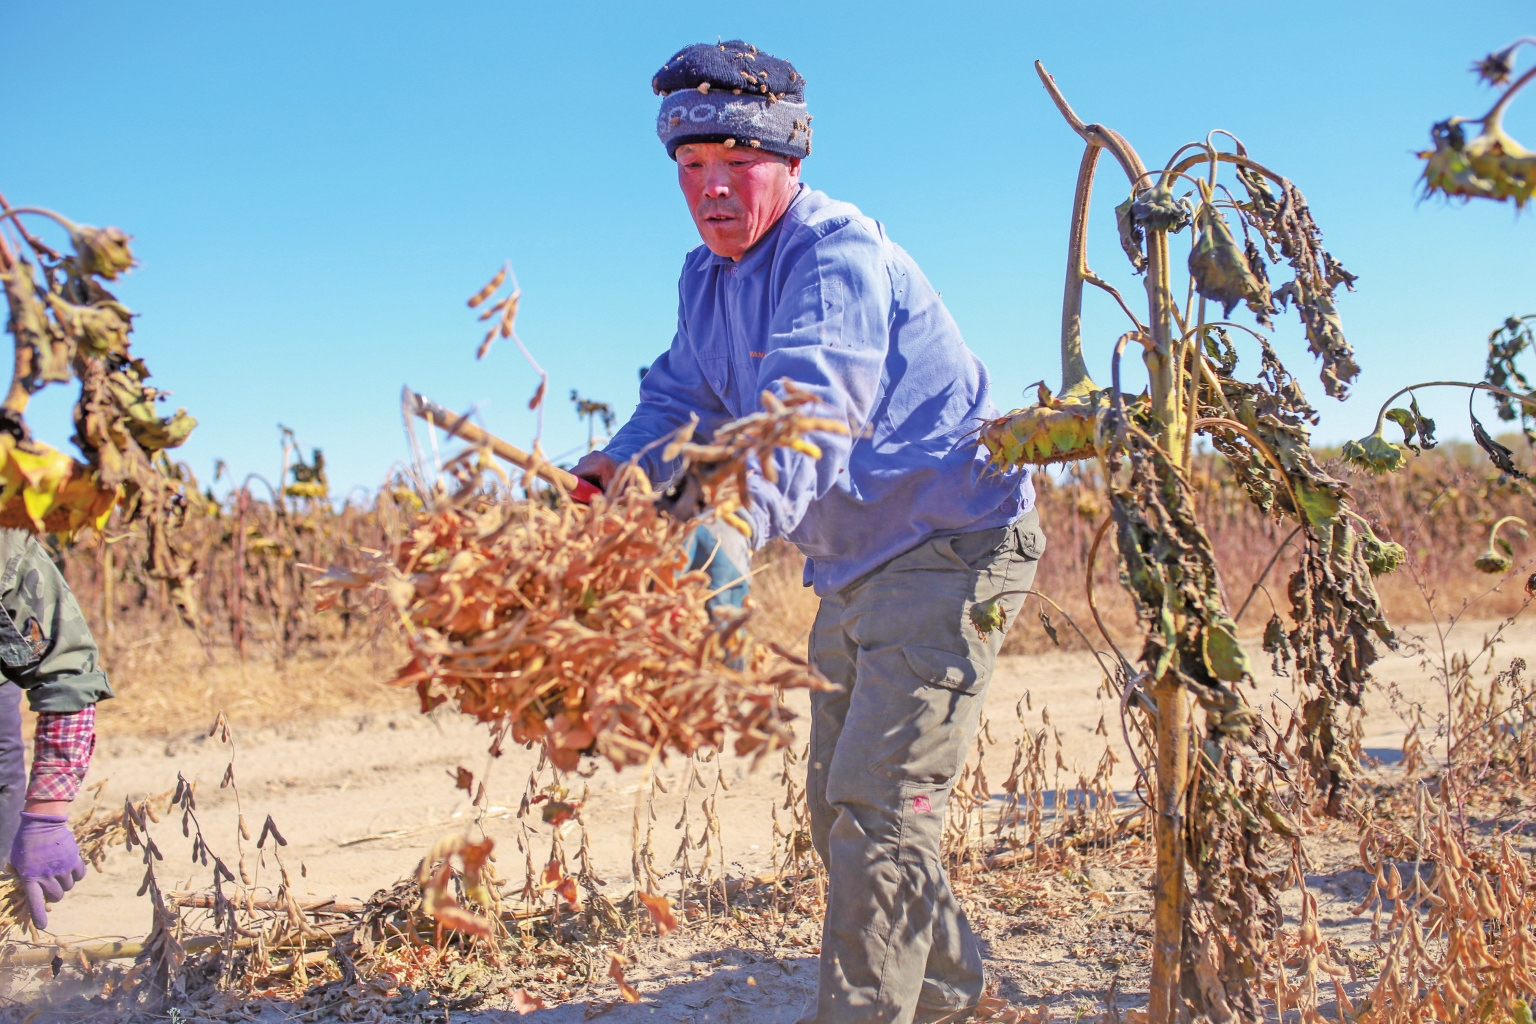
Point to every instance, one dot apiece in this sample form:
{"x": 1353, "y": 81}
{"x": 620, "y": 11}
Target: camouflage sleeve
{"x": 46, "y": 647}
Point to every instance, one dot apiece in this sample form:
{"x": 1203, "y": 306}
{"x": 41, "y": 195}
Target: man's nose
{"x": 717, "y": 183}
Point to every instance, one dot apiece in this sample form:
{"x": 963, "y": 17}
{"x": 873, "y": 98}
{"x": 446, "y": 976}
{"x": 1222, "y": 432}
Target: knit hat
{"x": 732, "y": 93}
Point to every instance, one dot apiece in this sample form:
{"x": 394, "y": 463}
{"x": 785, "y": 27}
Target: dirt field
{"x": 359, "y": 798}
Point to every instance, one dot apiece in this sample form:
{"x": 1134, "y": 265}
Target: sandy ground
{"x": 360, "y": 798}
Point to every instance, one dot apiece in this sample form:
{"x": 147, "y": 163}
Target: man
{"x": 46, "y": 650}
{"x": 903, "y": 525}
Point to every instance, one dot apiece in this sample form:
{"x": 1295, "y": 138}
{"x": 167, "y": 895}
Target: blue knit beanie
{"x": 732, "y": 93}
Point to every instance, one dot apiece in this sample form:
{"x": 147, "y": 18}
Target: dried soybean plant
{"x": 579, "y": 626}
{"x": 1456, "y": 922}
{"x": 1219, "y": 799}
{"x": 67, "y": 326}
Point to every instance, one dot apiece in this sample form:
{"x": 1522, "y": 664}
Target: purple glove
{"x": 47, "y": 861}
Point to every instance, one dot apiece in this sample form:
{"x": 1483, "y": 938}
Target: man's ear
{"x": 794, "y": 168}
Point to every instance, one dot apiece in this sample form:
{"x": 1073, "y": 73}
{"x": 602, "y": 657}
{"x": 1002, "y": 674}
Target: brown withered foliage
{"x": 579, "y": 627}
{"x": 67, "y": 326}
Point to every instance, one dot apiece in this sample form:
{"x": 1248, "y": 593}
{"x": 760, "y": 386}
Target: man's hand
{"x": 685, "y": 498}
{"x": 46, "y": 859}
{"x": 597, "y": 468}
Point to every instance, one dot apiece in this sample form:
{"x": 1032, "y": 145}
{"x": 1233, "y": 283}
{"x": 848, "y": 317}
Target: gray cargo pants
{"x": 887, "y": 745}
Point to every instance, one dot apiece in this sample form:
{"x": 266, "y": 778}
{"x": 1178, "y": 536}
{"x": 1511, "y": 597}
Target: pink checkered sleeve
{"x": 61, "y": 753}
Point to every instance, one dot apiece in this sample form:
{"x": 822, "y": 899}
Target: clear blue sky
{"x": 316, "y": 188}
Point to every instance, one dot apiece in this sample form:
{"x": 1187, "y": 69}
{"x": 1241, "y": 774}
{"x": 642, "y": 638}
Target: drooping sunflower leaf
{"x": 1132, "y": 238}
{"x": 1220, "y": 267}
{"x": 1262, "y": 306}
{"x": 1418, "y": 429}
{"x": 1320, "y": 505}
{"x": 1426, "y": 426}
{"x": 101, "y": 251}
{"x": 1285, "y": 226}
{"x": 1404, "y": 419}
{"x": 1499, "y": 455}
{"x": 1511, "y": 338}
{"x": 1224, "y": 656}
{"x": 1218, "y": 345}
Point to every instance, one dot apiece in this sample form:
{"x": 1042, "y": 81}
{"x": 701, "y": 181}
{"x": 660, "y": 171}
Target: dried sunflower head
{"x": 988, "y": 617}
{"x": 1381, "y": 556}
{"x": 101, "y": 251}
{"x": 1053, "y": 430}
{"x": 1375, "y": 453}
{"x": 1491, "y": 166}
{"x": 1496, "y": 68}
{"x": 1491, "y": 561}
{"x": 1157, "y": 209}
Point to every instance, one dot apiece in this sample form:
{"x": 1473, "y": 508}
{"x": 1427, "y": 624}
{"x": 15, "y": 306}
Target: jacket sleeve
{"x": 829, "y": 336}
{"x": 46, "y": 647}
{"x": 672, "y": 390}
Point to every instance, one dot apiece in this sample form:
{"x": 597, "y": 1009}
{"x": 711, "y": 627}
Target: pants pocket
{"x": 1031, "y": 538}
{"x": 944, "y": 669}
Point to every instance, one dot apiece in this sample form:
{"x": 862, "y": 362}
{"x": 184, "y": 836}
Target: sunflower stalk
{"x": 1214, "y": 931}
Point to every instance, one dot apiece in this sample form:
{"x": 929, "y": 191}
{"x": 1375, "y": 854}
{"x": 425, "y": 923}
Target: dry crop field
{"x": 360, "y": 786}
{"x": 476, "y": 747}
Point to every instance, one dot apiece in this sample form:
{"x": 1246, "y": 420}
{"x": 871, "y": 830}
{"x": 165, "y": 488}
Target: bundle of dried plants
{"x": 580, "y": 627}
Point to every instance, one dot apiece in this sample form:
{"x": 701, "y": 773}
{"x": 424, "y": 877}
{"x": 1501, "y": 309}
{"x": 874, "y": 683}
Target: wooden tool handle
{"x": 456, "y": 425}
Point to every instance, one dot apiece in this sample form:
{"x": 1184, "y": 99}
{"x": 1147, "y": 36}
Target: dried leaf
{"x": 1219, "y": 266}
{"x": 616, "y": 966}
{"x": 1132, "y": 238}
{"x": 1500, "y": 456}
{"x": 558, "y": 812}
{"x": 523, "y": 1003}
{"x": 1418, "y": 429}
{"x": 661, "y": 911}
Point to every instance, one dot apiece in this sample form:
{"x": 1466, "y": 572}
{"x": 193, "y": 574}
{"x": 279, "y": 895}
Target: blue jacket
{"x": 826, "y": 300}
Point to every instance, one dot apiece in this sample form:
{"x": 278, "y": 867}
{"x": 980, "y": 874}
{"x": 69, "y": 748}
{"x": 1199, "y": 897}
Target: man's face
{"x": 735, "y": 193}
